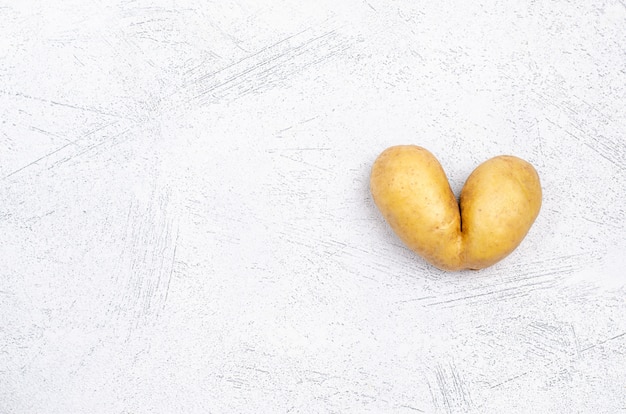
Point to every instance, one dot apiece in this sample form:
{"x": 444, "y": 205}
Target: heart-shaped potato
{"x": 499, "y": 204}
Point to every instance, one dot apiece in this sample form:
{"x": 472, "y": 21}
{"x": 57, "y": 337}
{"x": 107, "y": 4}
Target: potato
{"x": 499, "y": 203}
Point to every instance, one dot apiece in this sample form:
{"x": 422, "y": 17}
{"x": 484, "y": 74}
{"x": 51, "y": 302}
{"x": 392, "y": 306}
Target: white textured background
{"x": 186, "y": 227}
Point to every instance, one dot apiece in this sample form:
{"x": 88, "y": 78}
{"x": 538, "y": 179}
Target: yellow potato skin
{"x": 498, "y": 205}
{"x": 412, "y": 191}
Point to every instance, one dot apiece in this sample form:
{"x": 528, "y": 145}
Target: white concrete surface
{"x": 186, "y": 227}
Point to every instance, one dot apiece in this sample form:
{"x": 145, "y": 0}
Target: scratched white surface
{"x": 186, "y": 227}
